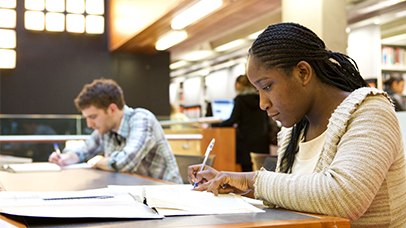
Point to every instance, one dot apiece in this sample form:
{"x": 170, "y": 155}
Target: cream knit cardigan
{"x": 360, "y": 174}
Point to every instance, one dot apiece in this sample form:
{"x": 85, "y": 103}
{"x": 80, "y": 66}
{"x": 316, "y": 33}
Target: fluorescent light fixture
{"x": 7, "y": 59}
{"x": 95, "y": 7}
{"x": 379, "y": 5}
{"x": 229, "y": 45}
{"x": 393, "y": 39}
{"x": 35, "y": 4}
{"x": 8, "y": 38}
{"x": 254, "y": 36}
{"x": 55, "y": 5}
{"x": 8, "y": 4}
{"x": 8, "y": 18}
{"x": 197, "y": 55}
{"x": 94, "y": 24}
{"x": 194, "y": 13}
{"x": 55, "y": 22}
{"x": 400, "y": 14}
{"x": 75, "y": 23}
{"x": 75, "y": 6}
{"x": 178, "y": 64}
{"x": 34, "y": 20}
{"x": 170, "y": 39}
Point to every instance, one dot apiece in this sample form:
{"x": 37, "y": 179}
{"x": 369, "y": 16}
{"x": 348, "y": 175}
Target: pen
{"x": 206, "y": 155}
{"x": 56, "y": 147}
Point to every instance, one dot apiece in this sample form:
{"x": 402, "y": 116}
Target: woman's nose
{"x": 264, "y": 103}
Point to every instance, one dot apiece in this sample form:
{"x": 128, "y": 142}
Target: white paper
{"x": 32, "y": 167}
{"x": 64, "y": 204}
{"x": 182, "y": 200}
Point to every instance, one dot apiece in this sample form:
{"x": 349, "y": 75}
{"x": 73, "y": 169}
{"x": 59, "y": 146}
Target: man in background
{"x": 131, "y": 140}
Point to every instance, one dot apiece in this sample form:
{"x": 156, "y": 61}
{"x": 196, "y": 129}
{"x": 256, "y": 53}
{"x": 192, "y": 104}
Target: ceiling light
{"x": 400, "y": 14}
{"x": 7, "y": 38}
{"x": 55, "y": 22}
{"x": 379, "y": 5}
{"x": 254, "y": 36}
{"x": 197, "y": 55}
{"x": 35, "y": 4}
{"x": 393, "y": 39}
{"x": 55, "y": 5}
{"x": 229, "y": 45}
{"x": 94, "y": 24}
{"x": 75, "y": 23}
{"x": 34, "y": 20}
{"x": 75, "y": 6}
{"x": 8, "y": 4}
{"x": 194, "y": 13}
{"x": 178, "y": 64}
{"x": 170, "y": 39}
{"x": 7, "y": 18}
{"x": 7, "y": 59}
{"x": 95, "y": 7}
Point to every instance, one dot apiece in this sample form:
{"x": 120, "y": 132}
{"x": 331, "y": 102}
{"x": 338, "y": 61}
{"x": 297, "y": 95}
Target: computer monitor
{"x": 222, "y": 109}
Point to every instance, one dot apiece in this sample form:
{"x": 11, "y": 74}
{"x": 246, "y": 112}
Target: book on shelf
{"x": 146, "y": 202}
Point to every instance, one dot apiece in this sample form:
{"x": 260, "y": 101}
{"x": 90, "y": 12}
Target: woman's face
{"x": 282, "y": 96}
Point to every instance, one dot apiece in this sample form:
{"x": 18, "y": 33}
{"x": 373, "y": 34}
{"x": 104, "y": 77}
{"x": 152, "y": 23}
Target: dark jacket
{"x": 252, "y": 133}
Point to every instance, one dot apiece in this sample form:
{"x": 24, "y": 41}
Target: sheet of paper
{"x": 82, "y": 165}
{"x": 182, "y": 200}
{"x": 100, "y": 203}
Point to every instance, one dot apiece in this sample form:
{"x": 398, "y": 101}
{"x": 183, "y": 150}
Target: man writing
{"x": 132, "y": 140}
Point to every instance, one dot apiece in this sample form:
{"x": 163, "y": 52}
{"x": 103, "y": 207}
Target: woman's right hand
{"x": 195, "y": 176}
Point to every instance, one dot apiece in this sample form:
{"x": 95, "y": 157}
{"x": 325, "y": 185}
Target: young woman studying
{"x": 340, "y": 150}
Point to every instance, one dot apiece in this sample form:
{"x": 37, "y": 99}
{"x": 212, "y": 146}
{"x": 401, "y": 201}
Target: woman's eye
{"x": 267, "y": 87}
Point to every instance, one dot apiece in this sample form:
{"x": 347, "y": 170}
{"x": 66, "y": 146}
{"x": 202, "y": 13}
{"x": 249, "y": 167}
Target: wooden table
{"x": 82, "y": 179}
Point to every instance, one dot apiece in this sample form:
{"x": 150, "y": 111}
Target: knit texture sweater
{"x": 360, "y": 174}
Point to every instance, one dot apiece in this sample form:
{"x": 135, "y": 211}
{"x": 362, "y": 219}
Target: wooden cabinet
{"x": 224, "y": 147}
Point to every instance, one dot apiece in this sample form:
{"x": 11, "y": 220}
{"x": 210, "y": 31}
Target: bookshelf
{"x": 393, "y": 61}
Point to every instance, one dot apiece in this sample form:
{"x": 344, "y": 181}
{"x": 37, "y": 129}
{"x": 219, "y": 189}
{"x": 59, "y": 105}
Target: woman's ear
{"x": 305, "y": 71}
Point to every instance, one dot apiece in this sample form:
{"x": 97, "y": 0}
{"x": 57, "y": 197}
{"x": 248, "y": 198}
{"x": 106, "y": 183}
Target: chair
{"x": 263, "y": 160}
{"x": 184, "y": 161}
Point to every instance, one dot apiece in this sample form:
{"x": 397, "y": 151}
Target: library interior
{"x": 183, "y": 72}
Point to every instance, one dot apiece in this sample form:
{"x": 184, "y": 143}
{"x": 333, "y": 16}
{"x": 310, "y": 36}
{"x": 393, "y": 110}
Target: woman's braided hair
{"x": 283, "y": 46}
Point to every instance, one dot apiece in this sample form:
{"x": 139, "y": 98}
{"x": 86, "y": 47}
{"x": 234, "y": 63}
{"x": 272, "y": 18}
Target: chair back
{"x": 263, "y": 160}
{"x": 184, "y": 161}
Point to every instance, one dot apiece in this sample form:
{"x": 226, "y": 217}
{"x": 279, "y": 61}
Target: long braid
{"x": 284, "y": 45}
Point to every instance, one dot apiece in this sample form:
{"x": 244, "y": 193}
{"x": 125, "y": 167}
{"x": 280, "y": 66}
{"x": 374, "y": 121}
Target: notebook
{"x": 32, "y": 167}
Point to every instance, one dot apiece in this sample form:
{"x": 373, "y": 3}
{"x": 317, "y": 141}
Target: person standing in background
{"x": 394, "y": 87}
{"x": 253, "y": 124}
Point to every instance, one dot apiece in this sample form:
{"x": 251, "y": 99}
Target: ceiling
{"x": 136, "y": 25}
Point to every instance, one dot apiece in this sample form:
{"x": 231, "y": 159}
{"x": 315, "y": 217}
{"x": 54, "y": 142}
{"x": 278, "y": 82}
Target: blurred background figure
{"x": 177, "y": 115}
{"x": 253, "y": 124}
{"x": 394, "y": 87}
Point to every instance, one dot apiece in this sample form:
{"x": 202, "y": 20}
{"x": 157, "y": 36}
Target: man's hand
{"x": 102, "y": 164}
{"x": 64, "y": 159}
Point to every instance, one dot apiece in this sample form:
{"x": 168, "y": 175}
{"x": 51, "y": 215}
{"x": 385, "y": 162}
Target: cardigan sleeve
{"x": 348, "y": 185}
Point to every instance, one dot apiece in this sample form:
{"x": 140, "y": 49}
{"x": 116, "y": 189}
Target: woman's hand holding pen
{"x": 200, "y": 177}
{"x": 223, "y": 182}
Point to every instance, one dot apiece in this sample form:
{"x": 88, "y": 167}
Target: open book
{"x": 147, "y": 202}
{"x": 170, "y": 200}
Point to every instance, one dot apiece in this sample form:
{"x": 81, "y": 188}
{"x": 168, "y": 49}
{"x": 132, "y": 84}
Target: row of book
{"x": 393, "y": 56}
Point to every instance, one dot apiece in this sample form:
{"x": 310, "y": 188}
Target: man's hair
{"x": 100, "y": 93}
